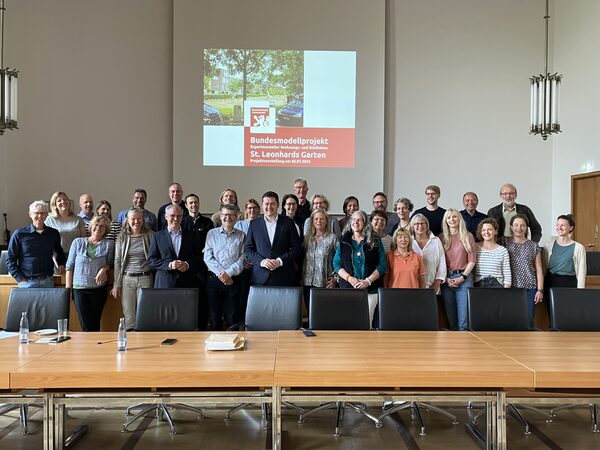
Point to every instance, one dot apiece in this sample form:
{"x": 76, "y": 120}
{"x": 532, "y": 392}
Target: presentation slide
{"x": 287, "y": 89}
{"x": 279, "y": 108}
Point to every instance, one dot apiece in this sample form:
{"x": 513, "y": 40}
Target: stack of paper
{"x": 224, "y": 342}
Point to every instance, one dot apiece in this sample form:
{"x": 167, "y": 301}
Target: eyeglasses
{"x": 507, "y": 194}
{"x": 419, "y": 224}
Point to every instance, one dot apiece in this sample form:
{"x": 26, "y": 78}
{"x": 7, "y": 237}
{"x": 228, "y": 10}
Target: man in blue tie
{"x": 174, "y": 253}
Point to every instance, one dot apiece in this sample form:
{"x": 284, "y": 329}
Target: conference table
{"x": 375, "y": 366}
{"x": 82, "y": 372}
{"x": 286, "y": 366}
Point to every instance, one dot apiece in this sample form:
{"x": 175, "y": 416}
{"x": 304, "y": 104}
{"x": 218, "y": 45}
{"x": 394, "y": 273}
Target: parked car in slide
{"x": 212, "y": 116}
{"x": 292, "y": 114}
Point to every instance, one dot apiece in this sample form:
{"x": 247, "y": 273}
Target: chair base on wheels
{"x": 265, "y": 413}
{"x": 161, "y": 411}
{"x": 360, "y": 408}
{"x": 416, "y": 409}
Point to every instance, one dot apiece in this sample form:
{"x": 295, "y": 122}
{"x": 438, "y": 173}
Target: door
{"x": 585, "y": 201}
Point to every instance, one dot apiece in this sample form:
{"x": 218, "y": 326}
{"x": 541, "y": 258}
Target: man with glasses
{"x": 33, "y": 250}
{"x": 224, "y": 257}
{"x": 174, "y": 253}
{"x": 433, "y": 212}
{"x": 509, "y": 208}
{"x": 380, "y": 203}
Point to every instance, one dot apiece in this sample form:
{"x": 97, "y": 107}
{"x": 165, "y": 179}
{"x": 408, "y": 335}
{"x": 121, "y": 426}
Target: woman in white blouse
{"x": 431, "y": 250}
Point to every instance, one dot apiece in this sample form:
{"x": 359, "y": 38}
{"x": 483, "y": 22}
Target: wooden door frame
{"x": 580, "y": 176}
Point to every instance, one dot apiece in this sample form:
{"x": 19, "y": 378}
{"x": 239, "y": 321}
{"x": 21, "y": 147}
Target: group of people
{"x": 300, "y": 244}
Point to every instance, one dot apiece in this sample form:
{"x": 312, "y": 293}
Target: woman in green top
{"x": 565, "y": 258}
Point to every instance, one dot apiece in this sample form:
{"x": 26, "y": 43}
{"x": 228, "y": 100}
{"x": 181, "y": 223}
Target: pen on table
{"x": 106, "y": 342}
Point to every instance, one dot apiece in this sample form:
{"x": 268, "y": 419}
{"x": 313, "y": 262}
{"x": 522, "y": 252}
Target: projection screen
{"x": 265, "y": 92}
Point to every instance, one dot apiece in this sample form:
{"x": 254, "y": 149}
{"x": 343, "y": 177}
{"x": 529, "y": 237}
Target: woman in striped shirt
{"x": 493, "y": 262}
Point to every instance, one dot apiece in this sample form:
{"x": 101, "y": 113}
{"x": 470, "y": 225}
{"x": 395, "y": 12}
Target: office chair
{"x": 174, "y": 309}
{"x": 3, "y": 265}
{"x": 339, "y": 309}
{"x": 575, "y": 310}
{"x": 273, "y": 308}
{"x": 410, "y": 310}
{"x": 497, "y": 309}
{"x": 44, "y": 306}
{"x": 270, "y": 308}
{"x": 500, "y": 309}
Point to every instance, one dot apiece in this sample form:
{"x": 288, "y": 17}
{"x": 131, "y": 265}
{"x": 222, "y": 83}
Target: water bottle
{"x": 24, "y": 329}
{"x": 122, "y": 336}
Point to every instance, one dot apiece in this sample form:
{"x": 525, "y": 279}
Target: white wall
{"x": 95, "y": 100}
{"x": 576, "y": 38}
{"x": 459, "y": 101}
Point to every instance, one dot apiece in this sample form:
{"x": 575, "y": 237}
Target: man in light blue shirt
{"x": 139, "y": 201}
{"x": 224, "y": 257}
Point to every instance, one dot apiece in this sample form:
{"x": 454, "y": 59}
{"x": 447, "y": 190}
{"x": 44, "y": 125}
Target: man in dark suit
{"x": 174, "y": 253}
{"x": 273, "y": 246}
{"x": 506, "y": 210}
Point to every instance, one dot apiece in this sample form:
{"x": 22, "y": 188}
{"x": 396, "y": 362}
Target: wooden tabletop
{"x": 83, "y": 363}
{"x": 14, "y": 355}
{"x": 559, "y": 359}
{"x": 394, "y": 359}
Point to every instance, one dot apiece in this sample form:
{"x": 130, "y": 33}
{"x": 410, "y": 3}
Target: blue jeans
{"x": 531, "y": 305}
{"x": 47, "y": 282}
{"x": 455, "y": 300}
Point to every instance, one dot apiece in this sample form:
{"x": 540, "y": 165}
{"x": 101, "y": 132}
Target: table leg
{"x": 491, "y": 423}
{"x": 47, "y": 425}
{"x": 501, "y": 420}
{"x": 276, "y": 417}
{"x": 59, "y": 425}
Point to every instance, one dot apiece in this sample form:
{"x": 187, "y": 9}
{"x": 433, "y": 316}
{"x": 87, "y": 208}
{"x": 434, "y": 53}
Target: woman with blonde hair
{"x": 90, "y": 259}
{"x": 405, "y": 267}
{"x": 62, "y": 217}
{"x": 251, "y": 212}
{"x": 461, "y": 254}
{"x": 431, "y": 250}
{"x": 228, "y": 197}
{"x": 319, "y": 245}
{"x": 131, "y": 267}
{"x": 319, "y": 201}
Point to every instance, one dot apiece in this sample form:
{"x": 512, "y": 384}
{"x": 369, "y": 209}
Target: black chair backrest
{"x": 174, "y": 309}
{"x": 497, "y": 309}
{"x": 408, "y": 309}
{"x": 44, "y": 306}
{"x": 593, "y": 263}
{"x": 273, "y": 308}
{"x": 3, "y": 265}
{"x": 339, "y": 309}
{"x": 574, "y": 309}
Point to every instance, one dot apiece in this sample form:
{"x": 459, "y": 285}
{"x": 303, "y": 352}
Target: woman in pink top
{"x": 461, "y": 254}
{"x": 405, "y": 267}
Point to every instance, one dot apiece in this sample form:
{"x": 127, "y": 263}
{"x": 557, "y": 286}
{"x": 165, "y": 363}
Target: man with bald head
{"x": 506, "y": 210}
{"x": 86, "y": 204}
{"x": 175, "y": 198}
